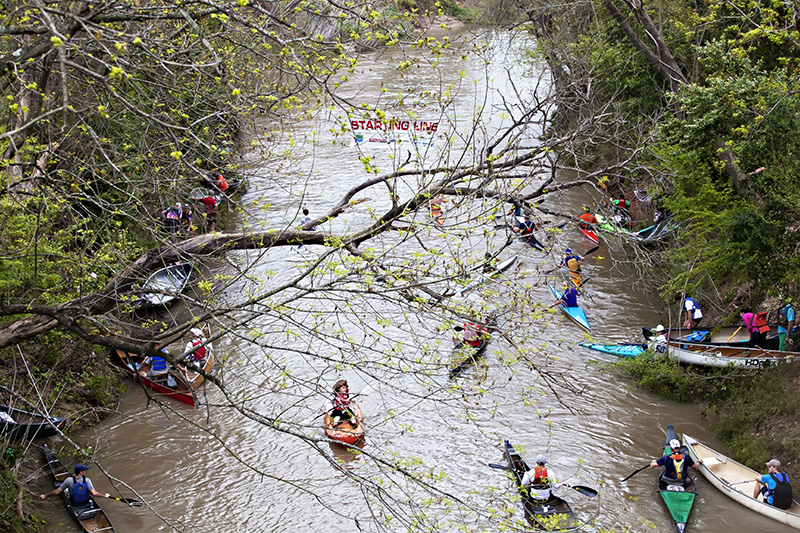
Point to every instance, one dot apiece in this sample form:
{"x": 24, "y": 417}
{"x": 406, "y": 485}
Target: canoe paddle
{"x": 636, "y": 472}
{"x": 129, "y": 501}
{"x": 586, "y": 491}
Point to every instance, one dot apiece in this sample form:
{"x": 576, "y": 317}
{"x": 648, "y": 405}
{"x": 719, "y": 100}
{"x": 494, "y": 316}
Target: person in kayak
{"x": 569, "y": 297}
{"x": 661, "y": 334}
{"x": 774, "y": 486}
{"x": 526, "y": 226}
{"x": 570, "y": 260}
{"x": 79, "y": 486}
{"x": 676, "y": 465}
{"x": 538, "y": 481}
{"x": 693, "y": 313}
{"x": 474, "y": 333}
{"x": 622, "y": 211}
{"x": 490, "y": 264}
{"x": 342, "y": 408}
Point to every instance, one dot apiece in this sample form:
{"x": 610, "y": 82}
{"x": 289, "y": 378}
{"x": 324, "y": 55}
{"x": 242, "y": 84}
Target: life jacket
{"x": 678, "y": 460}
{"x": 782, "y": 493}
{"x": 220, "y": 182}
{"x": 173, "y": 213}
{"x": 200, "y": 353}
{"x": 473, "y": 333}
{"x": 572, "y": 264}
{"x": 526, "y": 228}
{"x": 760, "y": 322}
{"x": 158, "y": 365}
{"x": 80, "y": 491}
{"x": 341, "y": 402}
{"x": 540, "y": 476}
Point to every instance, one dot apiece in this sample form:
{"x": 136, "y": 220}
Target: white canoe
{"x": 486, "y": 277}
{"x": 706, "y": 355}
{"x": 727, "y": 475}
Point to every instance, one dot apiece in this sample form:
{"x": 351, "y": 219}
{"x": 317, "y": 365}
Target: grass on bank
{"x": 758, "y": 411}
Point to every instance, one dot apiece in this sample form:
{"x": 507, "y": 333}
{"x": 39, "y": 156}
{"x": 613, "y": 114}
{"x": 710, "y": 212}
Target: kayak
{"x": 629, "y": 350}
{"x": 677, "y": 495}
{"x": 574, "y": 313}
{"x": 464, "y": 355}
{"x": 553, "y": 514}
{"x": 656, "y": 232}
{"x": 532, "y": 241}
{"x": 609, "y": 226}
{"x": 736, "y": 481}
{"x": 589, "y": 233}
{"x": 346, "y": 431}
{"x": 504, "y": 265}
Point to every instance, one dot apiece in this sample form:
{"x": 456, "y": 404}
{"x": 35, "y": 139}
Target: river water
{"x": 238, "y": 475}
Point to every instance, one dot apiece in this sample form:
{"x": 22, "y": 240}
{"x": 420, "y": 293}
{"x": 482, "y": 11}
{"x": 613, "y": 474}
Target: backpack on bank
{"x": 782, "y": 494}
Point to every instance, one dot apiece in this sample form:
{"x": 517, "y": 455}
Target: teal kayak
{"x": 677, "y": 495}
{"x": 575, "y": 313}
{"x": 629, "y": 350}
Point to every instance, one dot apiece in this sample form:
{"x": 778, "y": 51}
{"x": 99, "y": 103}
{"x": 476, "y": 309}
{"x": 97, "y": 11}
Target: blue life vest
{"x": 80, "y": 492}
{"x": 158, "y": 364}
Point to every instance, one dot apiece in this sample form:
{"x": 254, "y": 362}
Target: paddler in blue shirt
{"x": 569, "y": 297}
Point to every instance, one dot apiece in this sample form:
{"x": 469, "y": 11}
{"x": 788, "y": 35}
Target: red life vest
{"x": 473, "y": 333}
{"x": 200, "y": 353}
{"x": 540, "y": 476}
{"x": 341, "y": 402}
{"x": 760, "y": 322}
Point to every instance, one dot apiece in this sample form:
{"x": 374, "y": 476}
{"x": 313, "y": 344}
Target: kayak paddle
{"x": 129, "y": 501}
{"x": 636, "y": 472}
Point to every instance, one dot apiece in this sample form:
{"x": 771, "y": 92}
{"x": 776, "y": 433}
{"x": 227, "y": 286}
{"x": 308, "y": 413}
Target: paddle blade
{"x": 635, "y": 472}
{"x": 132, "y": 503}
{"x": 586, "y": 491}
{"x": 591, "y": 251}
{"x": 500, "y": 467}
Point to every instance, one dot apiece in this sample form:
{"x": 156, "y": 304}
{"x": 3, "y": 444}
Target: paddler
{"x": 538, "y": 481}
{"x": 676, "y": 465}
{"x": 569, "y": 297}
{"x": 526, "y": 226}
{"x": 341, "y": 408}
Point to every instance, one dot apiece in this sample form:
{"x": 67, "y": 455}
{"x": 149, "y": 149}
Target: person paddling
{"x": 342, "y": 408}
{"x": 675, "y": 465}
{"x": 80, "y": 487}
{"x": 568, "y": 298}
{"x": 538, "y": 481}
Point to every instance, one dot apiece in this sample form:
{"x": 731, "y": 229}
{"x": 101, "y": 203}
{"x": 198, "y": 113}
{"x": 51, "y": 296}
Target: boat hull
{"x": 29, "y": 426}
{"x": 345, "y": 432}
{"x": 725, "y": 474}
{"x": 723, "y": 356}
{"x": 465, "y": 355}
{"x": 501, "y": 267}
{"x": 589, "y": 233}
{"x": 554, "y": 514}
{"x": 630, "y": 350}
{"x": 576, "y": 314}
{"x": 169, "y": 282}
{"x": 93, "y": 521}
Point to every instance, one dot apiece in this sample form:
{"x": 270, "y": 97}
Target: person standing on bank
{"x": 774, "y": 486}
{"x": 785, "y": 321}
{"x": 79, "y": 486}
{"x": 693, "y": 313}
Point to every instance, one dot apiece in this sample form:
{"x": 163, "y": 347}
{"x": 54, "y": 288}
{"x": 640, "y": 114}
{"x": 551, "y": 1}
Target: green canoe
{"x": 678, "y": 496}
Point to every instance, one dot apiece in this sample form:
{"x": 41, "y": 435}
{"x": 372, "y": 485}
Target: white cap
{"x": 197, "y": 332}
{"x": 659, "y": 328}
{"x": 675, "y": 444}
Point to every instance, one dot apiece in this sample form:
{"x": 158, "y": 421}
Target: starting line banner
{"x": 421, "y": 126}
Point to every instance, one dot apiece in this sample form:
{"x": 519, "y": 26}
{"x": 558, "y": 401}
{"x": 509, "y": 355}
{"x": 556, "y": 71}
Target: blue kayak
{"x": 575, "y": 313}
{"x": 630, "y": 350}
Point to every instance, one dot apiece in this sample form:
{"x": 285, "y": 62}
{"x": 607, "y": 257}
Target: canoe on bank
{"x": 677, "y": 495}
{"x": 574, "y": 313}
{"x": 501, "y": 267}
{"x": 90, "y": 517}
{"x": 167, "y": 283}
{"x": 728, "y": 476}
{"x": 17, "y": 424}
{"x": 347, "y": 431}
{"x": 718, "y": 355}
{"x": 722, "y": 335}
{"x": 177, "y": 383}
{"x": 553, "y": 514}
